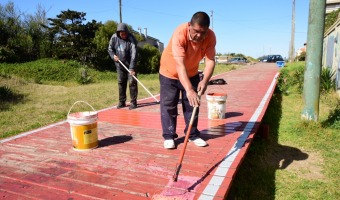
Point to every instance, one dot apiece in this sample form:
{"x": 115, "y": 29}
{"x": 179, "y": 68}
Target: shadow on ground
{"x": 9, "y": 97}
{"x": 139, "y": 105}
{"x": 264, "y": 158}
{"x": 114, "y": 140}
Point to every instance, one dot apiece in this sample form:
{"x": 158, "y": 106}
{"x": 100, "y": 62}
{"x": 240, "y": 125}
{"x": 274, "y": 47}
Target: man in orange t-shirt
{"x": 179, "y": 74}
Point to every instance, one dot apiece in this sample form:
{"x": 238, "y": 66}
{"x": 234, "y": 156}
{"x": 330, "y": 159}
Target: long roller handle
{"x": 138, "y": 80}
{"x": 179, "y": 163}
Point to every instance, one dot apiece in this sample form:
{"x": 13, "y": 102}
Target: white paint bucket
{"x": 216, "y": 105}
{"x": 83, "y": 128}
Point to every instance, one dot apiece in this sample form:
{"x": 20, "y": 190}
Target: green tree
{"x": 86, "y": 44}
{"x": 101, "y": 42}
{"x": 104, "y": 34}
{"x": 35, "y": 26}
{"x": 23, "y": 37}
{"x": 71, "y": 38}
{"x": 15, "y": 44}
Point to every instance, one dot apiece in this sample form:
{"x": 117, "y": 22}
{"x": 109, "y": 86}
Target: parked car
{"x": 274, "y": 58}
{"x": 263, "y": 59}
{"x": 237, "y": 60}
{"x": 271, "y": 58}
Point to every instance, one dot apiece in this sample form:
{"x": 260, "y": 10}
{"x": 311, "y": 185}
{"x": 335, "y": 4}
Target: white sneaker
{"x": 198, "y": 141}
{"x": 169, "y": 144}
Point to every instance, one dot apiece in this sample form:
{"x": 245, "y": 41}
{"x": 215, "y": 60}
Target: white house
{"x": 332, "y": 5}
{"x": 331, "y": 49}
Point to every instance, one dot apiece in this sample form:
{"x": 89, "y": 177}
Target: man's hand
{"x": 115, "y": 58}
{"x": 202, "y": 86}
{"x": 132, "y": 72}
{"x": 194, "y": 99}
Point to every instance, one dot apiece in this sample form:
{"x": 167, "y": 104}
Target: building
{"x": 332, "y": 5}
{"x": 149, "y": 40}
{"x": 301, "y": 50}
{"x": 331, "y": 49}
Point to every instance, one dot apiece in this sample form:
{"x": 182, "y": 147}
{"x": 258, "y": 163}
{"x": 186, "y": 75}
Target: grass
{"x": 35, "y": 104}
{"x": 299, "y": 159}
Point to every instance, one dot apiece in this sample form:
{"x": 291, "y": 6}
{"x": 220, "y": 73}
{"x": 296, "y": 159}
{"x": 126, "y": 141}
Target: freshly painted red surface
{"x": 130, "y": 161}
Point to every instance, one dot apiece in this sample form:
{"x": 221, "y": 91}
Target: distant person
{"x": 123, "y": 47}
{"x": 179, "y": 74}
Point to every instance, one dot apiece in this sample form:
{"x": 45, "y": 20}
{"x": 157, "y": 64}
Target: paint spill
{"x": 183, "y": 189}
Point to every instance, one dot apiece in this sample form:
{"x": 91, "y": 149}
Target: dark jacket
{"x": 126, "y": 50}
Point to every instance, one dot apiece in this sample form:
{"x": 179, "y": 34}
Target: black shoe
{"x": 121, "y": 105}
{"x": 133, "y": 106}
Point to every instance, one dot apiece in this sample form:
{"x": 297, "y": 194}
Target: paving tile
{"x": 130, "y": 161}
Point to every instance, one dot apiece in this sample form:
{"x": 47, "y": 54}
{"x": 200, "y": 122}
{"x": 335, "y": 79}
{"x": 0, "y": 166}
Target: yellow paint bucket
{"x": 83, "y": 128}
{"x": 216, "y": 105}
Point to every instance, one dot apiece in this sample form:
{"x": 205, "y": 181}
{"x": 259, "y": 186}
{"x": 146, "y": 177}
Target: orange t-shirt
{"x": 181, "y": 46}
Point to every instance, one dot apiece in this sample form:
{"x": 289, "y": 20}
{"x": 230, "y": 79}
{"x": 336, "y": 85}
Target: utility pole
{"x": 311, "y": 84}
{"x": 212, "y": 20}
{"x": 291, "y": 50}
{"x": 120, "y": 11}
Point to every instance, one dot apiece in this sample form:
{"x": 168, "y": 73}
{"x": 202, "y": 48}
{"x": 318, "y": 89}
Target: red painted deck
{"x": 130, "y": 162}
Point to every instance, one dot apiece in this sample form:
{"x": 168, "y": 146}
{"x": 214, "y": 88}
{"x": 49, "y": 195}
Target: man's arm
{"x": 133, "y": 55}
{"x": 185, "y": 81}
{"x": 111, "y": 49}
{"x": 208, "y": 72}
{"x": 210, "y": 63}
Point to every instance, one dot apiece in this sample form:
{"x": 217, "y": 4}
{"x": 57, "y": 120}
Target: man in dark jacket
{"x": 123, "y": 47}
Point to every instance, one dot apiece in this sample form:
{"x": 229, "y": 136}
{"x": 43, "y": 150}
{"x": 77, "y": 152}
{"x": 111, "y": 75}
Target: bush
{"x": 6, "y": 94}
{"x": 327, "y": 80}
{"x": 333, "y": 119}
{"x": 148, "y": 60}
{"x": 291, "y": 77}
{"x": 7, "y": 55}
{"x": 331, "y": 18}
{"x": 43, "y": 70}
{"x": 83, "y": 77}
{"x": 302, "y": 56}
{"x": 155, "y": 63}
{"x": 8, "y": 97}
{"x": 282, "y": 82}
{"x": 298, "y": 77}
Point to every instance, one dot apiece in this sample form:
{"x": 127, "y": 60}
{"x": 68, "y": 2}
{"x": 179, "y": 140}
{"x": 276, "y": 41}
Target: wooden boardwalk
{"x": 130, "y": 161}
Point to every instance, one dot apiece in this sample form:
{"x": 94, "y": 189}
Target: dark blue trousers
{"x": 169, "y": 99}
{"x": 123, "y": 78}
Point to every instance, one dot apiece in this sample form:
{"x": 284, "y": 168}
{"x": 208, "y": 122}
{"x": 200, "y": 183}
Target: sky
{"x": 251, "y": 27}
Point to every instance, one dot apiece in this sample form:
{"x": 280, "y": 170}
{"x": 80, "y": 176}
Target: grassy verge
{"x": 33, "y": 100}
{"x": 299, "y": 159}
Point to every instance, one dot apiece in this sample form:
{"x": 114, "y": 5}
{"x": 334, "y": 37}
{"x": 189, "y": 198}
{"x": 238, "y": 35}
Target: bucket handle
{"x": 79, "y": 102}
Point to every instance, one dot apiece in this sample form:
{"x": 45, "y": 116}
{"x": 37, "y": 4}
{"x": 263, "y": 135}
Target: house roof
{"x": 332, "y": 5}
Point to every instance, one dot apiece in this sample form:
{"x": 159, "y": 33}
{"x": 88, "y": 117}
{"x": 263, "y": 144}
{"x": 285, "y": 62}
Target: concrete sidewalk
{"x": 130, "y": 161}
